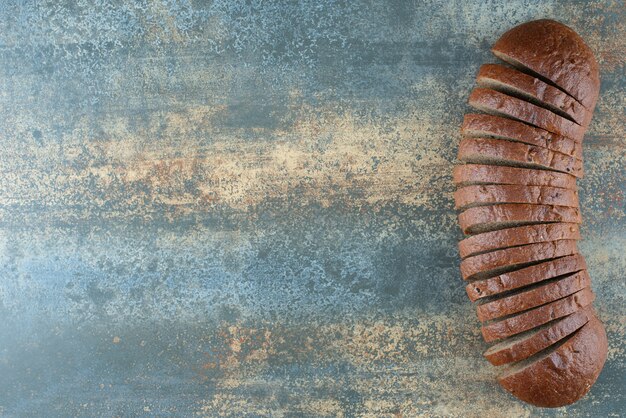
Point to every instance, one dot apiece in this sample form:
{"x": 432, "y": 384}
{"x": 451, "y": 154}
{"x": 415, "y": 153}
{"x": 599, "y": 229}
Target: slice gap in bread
{"x": 521, "y": 67}
{"x": 482, "y": 174}
{"x": 484, "y": 195}
{"x": 479, "y": 289}
{"x": 490, "y": 151}
{"x": 494, "y": 112}
{"x": 522, "y": 95}
{"x": 494, "y": 183}
{"x": 506, "y": 269}
{"x": 514, "y": 237}
{"x": 533, "y": 341}
{"x": 489, "y": 218}
{"x": 532, "y": 297}
{"x": 494, "y": 226}
{"x": 514, "y": 258}
{"x": 477, "y": 204}
{"x": 564, "y": 372}
{"x": 565, "y": 127}
{"x": 497, "y": 127}
{"x": 483, "y": 159}
{"x": 527, "y": 288}
{"x": 586, "y": 294}
{"x": 526, "y": 244}
{"x": 529, "y": 88}
{"x": 546, "y": 352}
{"x": 473, "y": 133}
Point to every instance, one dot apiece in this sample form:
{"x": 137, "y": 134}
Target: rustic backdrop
{"x": 244, "y": 208}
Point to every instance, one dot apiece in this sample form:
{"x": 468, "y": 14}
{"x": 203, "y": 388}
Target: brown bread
{"x": 502, "y": 152}
{"x": 537, "y": 316}
{"x": 535, "y": 296}
{"x": 516, "y": 83}
{"x": 557, "y": 54}
{"x": 518, "y": 198}
{"x": 480, "y": 195}
{"x": 564, "y": 373}
{"x": 497, "y": 103}
{"x": 470, "y": 174}
{"x": 490, "y": 218}
{"x": 531, "y": 342}
{"x": 491, "y": 126}
{"x": 521, "y": 235}
{"x": 489, "y": 264}
{"x": 527, "y": 276}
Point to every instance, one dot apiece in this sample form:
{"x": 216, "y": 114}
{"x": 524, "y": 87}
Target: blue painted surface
{"x": 237, "y": 208}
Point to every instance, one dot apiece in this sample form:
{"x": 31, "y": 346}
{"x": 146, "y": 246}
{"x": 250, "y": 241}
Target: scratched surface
{"x": 244, "y": 208}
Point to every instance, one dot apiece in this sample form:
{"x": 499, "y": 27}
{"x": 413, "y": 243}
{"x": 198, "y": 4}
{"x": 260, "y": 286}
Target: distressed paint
{"x": 237, "y": 208}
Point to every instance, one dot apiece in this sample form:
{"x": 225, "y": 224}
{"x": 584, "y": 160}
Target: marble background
{"x": 244, "y": 208}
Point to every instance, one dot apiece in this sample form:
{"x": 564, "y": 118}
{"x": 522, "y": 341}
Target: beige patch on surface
{"x": 324, "y": 158}
{"x": 409, "y": 365}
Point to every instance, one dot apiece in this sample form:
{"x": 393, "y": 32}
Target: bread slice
{"x": 521, "y": 235}
{"x": 555, "y": 53}
{"x": 471, "y": 174}
{"x": 490, "y": 218}
{"x": 516, "y": 154}
{"x": 531, "y": 342}
{"x": 516, "y": 83}
{"x": 497, "y": 103}
{"x": 533, "y": 297}
{"x": 537, "y": 316}
{"x": 507, "y": 259}
{"x": 491, "y": 126}
{"x": 526, "y": 276}
{"x": 562, "y": 374}
{"x": 480, "y": 195}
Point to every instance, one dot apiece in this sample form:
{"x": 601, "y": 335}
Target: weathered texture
{"x": 245, "y": 208}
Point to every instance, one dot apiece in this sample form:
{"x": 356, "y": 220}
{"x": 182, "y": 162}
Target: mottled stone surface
{"x": 244, "y": 208}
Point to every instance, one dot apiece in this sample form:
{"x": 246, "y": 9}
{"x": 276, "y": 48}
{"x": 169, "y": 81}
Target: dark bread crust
{"x": 564, "y": 375}
{"x": 526, "y": 276}
{"x": 478, "y": 219}
{"x": 531, "y": 342}
{"x": 537, "y": 316}
{"x": 497, "y": 76}
{"x": 533, "y": 297}
{"x": 467, "y": 174}
{"x": 502, "y": 152}
{"x": 480, "y": 265}
{"x": 555, "y": 52}
{"x": 489, "y": 100}
{"x": 482, "y": 125}
{"x": 520, "y": 235}
{"x": 511, "y": 193}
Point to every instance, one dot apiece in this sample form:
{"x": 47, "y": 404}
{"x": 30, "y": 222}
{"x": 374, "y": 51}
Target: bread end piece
{"x": 557, "y": 54}
{"x": 562, "y": 375}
